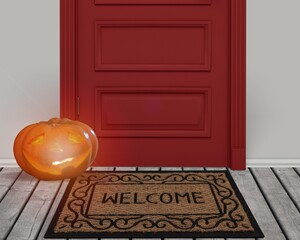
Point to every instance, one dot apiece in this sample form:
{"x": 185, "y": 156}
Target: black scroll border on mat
{"x": 256, "y": 234}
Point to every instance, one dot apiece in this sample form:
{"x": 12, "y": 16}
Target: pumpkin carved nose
{"x": 37, "y": 140}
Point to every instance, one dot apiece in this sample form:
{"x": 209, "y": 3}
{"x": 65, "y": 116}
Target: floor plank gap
{"x": 282, "y": 211}
{"x": 50, "y": 207}
{"x": 267, "y": 202}
{"x": 52, "y": 210}
{"x": 256, "y": 202}
{"x": 34, "y": 213}
{"x": 297, "y": 170}
{"x": 15, "y": 201}
{"x": 8, "y": 177}
{"x": 291, "y": 186}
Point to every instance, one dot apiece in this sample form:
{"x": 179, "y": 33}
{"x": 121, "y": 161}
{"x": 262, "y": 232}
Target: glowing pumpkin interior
{"x": 56, "y": 149}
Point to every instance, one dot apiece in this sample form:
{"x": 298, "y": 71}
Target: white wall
{"x": 273, "y": 79}
{"x": 29, "y": 73}
{"x": 29, "y": 66}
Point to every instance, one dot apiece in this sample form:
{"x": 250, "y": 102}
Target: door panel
{"x": 153, "y": 45}
{"x": 128, "y": 2}
{"x": 153, "y": 113}
{"x": 153, "y": 80}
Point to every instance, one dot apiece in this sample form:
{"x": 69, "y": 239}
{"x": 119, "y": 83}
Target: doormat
{"x": 198, "y": 204}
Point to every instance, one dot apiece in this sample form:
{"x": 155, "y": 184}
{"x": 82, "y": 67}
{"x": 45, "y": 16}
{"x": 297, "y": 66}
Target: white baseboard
{"x": 8, "y": 162}
{"x": 273, "y": 162}
{"x": 251, "y": 162}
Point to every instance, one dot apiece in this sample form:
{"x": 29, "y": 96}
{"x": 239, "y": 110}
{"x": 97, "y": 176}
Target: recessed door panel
{"x": 153, "y": 45}
{"x": 155, "y": 2}
{"x": 155, "y": 113}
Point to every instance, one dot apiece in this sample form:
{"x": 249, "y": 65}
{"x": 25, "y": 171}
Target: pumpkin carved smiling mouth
{"x": 76, "y": 162}
{"x": 63, "y": 161}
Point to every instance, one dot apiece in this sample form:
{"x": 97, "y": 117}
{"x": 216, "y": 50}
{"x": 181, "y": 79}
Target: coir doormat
{"x": 153, "y": 204}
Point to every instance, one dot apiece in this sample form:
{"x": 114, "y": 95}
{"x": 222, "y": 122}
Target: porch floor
{"x": 273, "y": 195}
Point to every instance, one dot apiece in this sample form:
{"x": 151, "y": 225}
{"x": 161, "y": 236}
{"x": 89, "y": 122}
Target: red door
{"x": 153, "y": 80}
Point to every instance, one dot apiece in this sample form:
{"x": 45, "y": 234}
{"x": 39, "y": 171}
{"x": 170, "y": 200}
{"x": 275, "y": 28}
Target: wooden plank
{"x": 212, "y": 238}
{"x": 53, "y": 209}
{"x": 102, "y": 168}
{"x": 144, "y": 239}
{"x": 114, "y": 238}
{"x": 193, "y": 169}
{"x": 283, "y": 208}
{"x": 84, "y": 239}
{"x": 148, "y": 169}
{"x": 215, "y": 169}
{"x": 171, "y": 169}
{"x": 126, "y": 169}
{"x": 256, "y": 202}
{"x": 7, "y": 177}
{"x": 291, "y": 182}
{"x": 178, "y": 239}
{"x": 34, "y": 213}
{"x": 14, "y": 201}
{"x": 241, "y": 238}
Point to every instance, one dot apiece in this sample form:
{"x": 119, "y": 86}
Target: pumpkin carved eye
{"x": 75, "y": 138}
{"x": 37, "y": 140}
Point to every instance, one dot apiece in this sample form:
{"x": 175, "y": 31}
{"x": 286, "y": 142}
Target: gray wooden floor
{"x": 273, "y": 195}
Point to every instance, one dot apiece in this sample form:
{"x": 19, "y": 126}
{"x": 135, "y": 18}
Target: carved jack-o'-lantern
{"x": 57, "y": 149}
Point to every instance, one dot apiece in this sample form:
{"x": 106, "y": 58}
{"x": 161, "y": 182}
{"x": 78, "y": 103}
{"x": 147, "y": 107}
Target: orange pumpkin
{"x": 57, "y": 149}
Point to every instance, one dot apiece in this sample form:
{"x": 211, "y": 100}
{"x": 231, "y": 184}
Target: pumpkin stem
{"x": 54, "y": 121}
